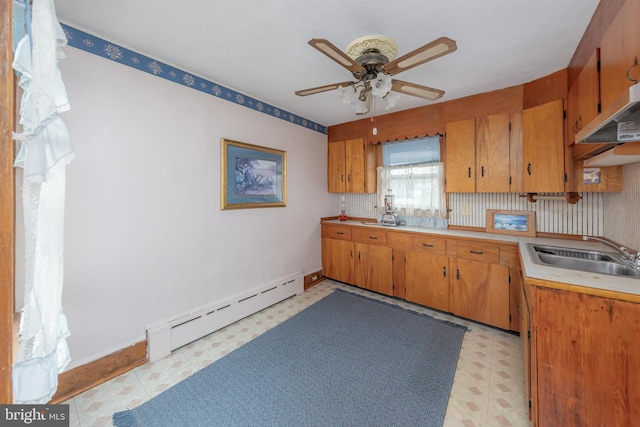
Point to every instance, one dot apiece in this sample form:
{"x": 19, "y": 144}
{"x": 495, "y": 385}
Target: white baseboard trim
{"x": 168, "y": 334}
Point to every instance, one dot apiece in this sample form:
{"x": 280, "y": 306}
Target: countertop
{"x": 598, "y": 284}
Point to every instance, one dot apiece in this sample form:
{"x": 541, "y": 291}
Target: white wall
{"x": 144, "y": 234}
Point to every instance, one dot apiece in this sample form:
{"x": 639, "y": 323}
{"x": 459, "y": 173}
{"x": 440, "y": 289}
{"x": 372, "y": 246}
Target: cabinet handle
{"x": 457, "y": 274}
{"x": 349, "y": 178}
{"x": 529, "y": 168}
{"x": 341, "y": 178}
{"x": 444, "y": 271}
{"x": 576, "y": 127}
{"x": 339, "y": 232}
{"x": 635, "y": 64}
{"x": 469, "y": 173}
{"x": 477, "y": 252}
{"x": 358, "y": 255}
{"x": 482, "y": 171}
{"x": 351, "y": 253}
{"x": 373, "y": 237}
{"x": 427, "y": 245}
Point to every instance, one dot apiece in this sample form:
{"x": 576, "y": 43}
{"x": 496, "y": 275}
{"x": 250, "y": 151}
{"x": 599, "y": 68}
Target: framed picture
{"x": 251, "y": 176}
{"x": 522, "y": 223}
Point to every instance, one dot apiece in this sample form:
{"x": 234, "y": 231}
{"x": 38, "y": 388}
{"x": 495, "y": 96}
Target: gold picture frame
{"x": 519, "y": 223}
{"x": 251, "y": 176}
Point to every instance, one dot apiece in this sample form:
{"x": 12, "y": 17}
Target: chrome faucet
{"x": 626, "y": 256}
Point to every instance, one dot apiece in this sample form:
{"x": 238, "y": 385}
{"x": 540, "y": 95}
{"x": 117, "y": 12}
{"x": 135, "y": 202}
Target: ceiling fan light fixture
{"x": 391, "y": 99}
{"x": 372, "y": 61}
{"x": 381, "y": 85}
{"x": 347, "y": 94}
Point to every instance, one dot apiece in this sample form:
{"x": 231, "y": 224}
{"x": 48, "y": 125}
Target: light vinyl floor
{"x": 488, "y": 388}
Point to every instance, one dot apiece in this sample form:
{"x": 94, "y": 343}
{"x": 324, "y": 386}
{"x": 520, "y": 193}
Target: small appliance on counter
{"x": 389, "y": 217}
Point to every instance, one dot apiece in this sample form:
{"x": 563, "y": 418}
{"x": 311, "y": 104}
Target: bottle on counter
{"x": 342, "y": 209}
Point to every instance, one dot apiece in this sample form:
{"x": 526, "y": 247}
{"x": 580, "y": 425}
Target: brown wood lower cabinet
{"x": 427, "y": 279}
{"x": 585, "y": 353}
{"x": 338, "y": 260}
{"x": 467, "y": 277}
{"x": 373, "y": 268}
{"x": 480, "y": 291}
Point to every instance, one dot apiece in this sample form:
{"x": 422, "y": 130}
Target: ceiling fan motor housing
{"x": 372, "y": 61}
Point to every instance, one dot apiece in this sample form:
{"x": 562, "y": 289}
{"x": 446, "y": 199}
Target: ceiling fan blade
{"x": 428, "y": 52}
{"x": 417, "y": 90}
{"x": 339, "y": 56}
{"x": 313, "y": 90}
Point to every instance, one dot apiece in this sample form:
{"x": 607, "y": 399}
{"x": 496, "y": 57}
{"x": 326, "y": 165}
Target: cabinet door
{"x": 460, "y": 156}
{"x": 587, "y": 366}
{"x": 492, "y": 154}
{"x": 336, "y": 167}
{"x": 427, "y": 280}
{"x": 543, "y": 148}
{"x": 525, "y": 343}
{"x": 589, "y": 90}
{"x": 619, "y": 49}
{"x": 338, "y": 260}
{"x": 373, "y": 268}
{"x": 480, "y": 291}
{"x": 585, "y": 107}
{"x": 355, "y": 165}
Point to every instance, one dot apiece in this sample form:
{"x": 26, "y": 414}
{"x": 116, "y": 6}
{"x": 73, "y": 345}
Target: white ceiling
{"x": 260, "y": 47}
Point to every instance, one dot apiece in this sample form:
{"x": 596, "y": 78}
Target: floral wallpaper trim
{"x": 105, "y": 49}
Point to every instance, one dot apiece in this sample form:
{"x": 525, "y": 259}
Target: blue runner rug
{"x": 347, "y": 360}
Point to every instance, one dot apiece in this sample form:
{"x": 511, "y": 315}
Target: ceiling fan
{"x": 372, "y": 61}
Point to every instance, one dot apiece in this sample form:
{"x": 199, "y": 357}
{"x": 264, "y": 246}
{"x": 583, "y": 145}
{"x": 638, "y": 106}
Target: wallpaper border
{"x": 108, "y": 50}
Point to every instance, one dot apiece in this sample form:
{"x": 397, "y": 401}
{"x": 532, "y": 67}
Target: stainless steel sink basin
{"x": 582, "y": 260}
{"x": 574, "y": 253}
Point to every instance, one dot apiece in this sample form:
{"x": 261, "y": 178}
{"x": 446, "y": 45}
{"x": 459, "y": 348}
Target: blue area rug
{"x": 347, "y": 360}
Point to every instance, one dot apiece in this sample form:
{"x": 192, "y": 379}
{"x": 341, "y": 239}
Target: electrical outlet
{"x": 465, "y": 210}
{"x": 368, "y": 206}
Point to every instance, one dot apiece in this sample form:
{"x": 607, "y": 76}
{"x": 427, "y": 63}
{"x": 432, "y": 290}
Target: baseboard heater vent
{"x": 166, "y": 335}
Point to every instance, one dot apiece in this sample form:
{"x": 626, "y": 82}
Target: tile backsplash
{"x": 622, "y": 210}
{"x": 552, "y": 216}
{"x": 612, "y": 215}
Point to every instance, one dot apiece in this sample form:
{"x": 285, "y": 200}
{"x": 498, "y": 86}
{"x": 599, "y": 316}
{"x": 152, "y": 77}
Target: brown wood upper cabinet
{"x": 351, "y": 167}
{"x": 583, "y": 105}
{"x": 477, "y": 155}
{"x": 543, "y": 148}
{"x": 619, "y": 49}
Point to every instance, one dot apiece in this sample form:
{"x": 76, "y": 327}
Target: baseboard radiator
{"x": 166, "y": 335}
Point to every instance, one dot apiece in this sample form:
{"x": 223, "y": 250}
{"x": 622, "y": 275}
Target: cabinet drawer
{"x": 483, "y": 252}
{"x": 399, "y": 240}
{"x": 436, "y": 245}
{"x": 332, "y": 231}
{"x": 370, "y": 236}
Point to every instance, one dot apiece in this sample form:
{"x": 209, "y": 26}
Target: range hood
{"x": 618, "y": 123}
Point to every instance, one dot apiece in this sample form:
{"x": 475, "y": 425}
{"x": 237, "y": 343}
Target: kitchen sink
{"x": 582, "y": 260}
{"x": 574, "y": 253}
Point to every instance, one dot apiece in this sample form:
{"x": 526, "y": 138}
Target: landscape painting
{"x": 251, "y": 176}
{"x": 511, "y": 222}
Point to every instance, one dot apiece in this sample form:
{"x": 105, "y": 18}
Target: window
{"x": 413, "y": 174}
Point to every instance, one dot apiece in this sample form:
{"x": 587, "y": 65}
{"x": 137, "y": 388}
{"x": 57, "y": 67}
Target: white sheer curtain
{"x": 46, "y": 150}
{"x": 419, "y": 193}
